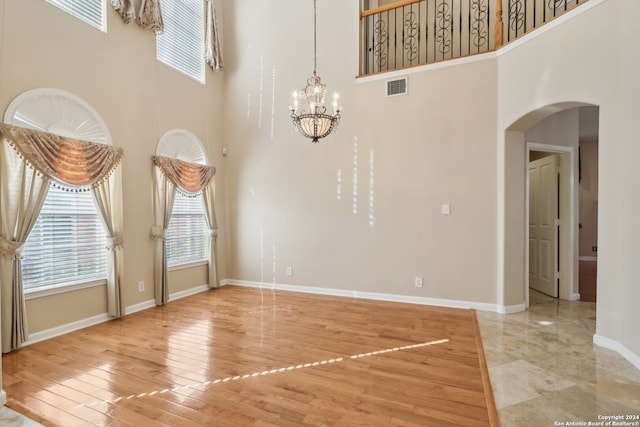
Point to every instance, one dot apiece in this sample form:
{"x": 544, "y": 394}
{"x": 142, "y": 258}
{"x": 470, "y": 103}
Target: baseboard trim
{"x": 509, "y": 309}
{"x": 588, "y": 258}
{"x": 101, "y": 318}
{"x": 66, "y": 328}
{"x": 3, "y": 397}
{"x": 188, "y": 292}
{"x": 130, "y": 309}
{"x": 366, "y": 295}
{"x": 617, "y": 347}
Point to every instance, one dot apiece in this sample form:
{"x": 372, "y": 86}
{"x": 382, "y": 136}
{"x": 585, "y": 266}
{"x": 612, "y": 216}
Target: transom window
{"x": 93, "y": 12}
{"x": 181, "y": 44}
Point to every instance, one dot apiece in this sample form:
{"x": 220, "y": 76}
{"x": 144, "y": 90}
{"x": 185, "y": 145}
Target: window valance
{"x": 73, "y": 164}
{"x": 189, "y": 178}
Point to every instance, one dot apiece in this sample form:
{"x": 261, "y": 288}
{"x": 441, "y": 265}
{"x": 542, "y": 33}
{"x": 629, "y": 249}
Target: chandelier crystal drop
{"x": 314, "y": 122}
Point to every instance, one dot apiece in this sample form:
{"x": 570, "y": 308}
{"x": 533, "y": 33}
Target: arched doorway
{"x": 554, "y": 129}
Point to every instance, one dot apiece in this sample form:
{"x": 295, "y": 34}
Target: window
{"x": 67, "y": 243}
{"x": 181, "y": 44}
{"x": 93, "y": 12}
{"x": 187, "y": 235}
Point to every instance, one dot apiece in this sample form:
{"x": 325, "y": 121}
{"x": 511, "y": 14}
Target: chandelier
{"x": 314, "y": 122}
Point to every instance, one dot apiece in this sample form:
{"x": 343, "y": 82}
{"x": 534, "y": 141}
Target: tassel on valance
{"x": 189, "y": 178}
{"x": 73, "y": 164}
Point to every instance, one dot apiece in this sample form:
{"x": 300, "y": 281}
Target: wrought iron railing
{"x": 408, "y": 33}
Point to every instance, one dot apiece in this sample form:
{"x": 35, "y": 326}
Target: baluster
{"x": 498, "y": 31}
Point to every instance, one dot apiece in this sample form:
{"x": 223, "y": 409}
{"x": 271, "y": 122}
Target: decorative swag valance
{"x": 73, "y": 164}
{"x": 189, "y": 178}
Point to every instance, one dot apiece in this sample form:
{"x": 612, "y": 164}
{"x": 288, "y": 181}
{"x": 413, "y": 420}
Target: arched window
{"x": 66, "y": 245}
{"x": 187, "y": 236}
{"x": 183, "y": 194}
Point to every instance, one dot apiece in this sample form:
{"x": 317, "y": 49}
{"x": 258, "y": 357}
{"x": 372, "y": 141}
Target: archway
{"x": 558, "y": 127}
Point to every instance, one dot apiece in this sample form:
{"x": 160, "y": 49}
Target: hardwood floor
{"x": 250, "y": 357}
{"x": 588, "y": 274}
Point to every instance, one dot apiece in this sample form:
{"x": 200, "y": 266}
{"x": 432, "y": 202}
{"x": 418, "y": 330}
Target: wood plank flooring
{"x": 588, "y": 276}
{"x": 255, "y": 357}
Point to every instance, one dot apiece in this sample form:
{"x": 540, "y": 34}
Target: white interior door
{"x": 543, "y": 225}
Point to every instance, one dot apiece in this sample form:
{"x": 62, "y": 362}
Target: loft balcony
{"x": 410, "y": 33}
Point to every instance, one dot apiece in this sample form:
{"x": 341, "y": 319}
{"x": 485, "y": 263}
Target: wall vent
{"x": 397, "y": 87}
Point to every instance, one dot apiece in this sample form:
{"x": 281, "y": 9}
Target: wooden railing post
{"x": 498, "y": 32}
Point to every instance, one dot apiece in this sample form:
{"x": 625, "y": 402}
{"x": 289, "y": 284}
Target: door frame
{"x": 567, "y": 237}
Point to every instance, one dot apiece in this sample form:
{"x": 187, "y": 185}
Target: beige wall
{"x": 140, "y": 99}
{"x": 453, "y": 139}
{"x": 532, "y": 76}
{"x": 434, "y": 146}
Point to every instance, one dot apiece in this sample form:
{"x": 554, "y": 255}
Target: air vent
{"x": 397, "y": 87}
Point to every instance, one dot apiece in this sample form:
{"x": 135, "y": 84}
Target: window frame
{"x": 68, "y": 7}
{"x": 203, "y": 236}
{"x": 75, "y": 282}
{"x": 175, "y": 57}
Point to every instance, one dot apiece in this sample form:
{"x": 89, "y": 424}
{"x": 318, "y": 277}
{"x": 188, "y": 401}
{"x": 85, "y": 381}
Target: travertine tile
{"x": 544, "y": 367}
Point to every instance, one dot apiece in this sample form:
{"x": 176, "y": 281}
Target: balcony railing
{"x": 416, "y": 32}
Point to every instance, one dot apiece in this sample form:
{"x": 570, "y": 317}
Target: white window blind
{"x": 181, "y": 44}
{"x": 67, "y": 244}
{"x": 187, "y": 235}
{"x": 90, "y": 11}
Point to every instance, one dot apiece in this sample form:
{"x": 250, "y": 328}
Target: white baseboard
{"x": 618, "y": 347}
{"x": 101, "y": 318}
{"x": 188, "y": 292}
{"x": 130, "y": 309}
{"x": 588, "y": 258}
{"x": 367, "y": 295}
{"x": 3, "y": 397}
{"x": 508, "y": 309}
{"x": 66, "y": 328}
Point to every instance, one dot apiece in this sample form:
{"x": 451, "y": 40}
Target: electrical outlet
{"x": 289, "y": 271}
{"x": 418, "y": 282}
{"x": 141, "y": 286}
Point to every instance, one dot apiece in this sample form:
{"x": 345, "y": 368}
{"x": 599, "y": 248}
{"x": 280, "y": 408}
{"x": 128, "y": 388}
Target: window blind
{"x": 187, "y": 235}
{"x": 90, "y": 11}
{"x": 67, "y": 244}
{"x": 181, "y": 44}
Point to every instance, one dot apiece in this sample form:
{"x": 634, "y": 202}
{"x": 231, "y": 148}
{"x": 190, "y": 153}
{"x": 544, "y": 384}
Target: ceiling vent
{"x": 397, "y": 87}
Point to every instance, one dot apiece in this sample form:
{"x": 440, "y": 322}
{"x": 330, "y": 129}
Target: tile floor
{"x": 546, "y": 371}
{"x": 10, "y": 418}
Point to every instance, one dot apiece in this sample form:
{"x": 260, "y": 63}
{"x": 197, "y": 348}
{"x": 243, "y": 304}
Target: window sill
{"x": 46, "y": 291}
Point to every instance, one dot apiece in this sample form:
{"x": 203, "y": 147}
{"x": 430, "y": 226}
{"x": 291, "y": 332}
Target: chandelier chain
{"x": 315, "y": 37}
